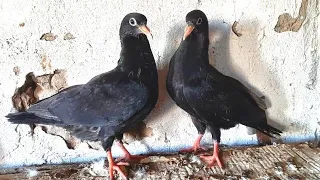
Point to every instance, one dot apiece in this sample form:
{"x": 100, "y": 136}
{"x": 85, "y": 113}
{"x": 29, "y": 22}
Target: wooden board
{"x": 282, "y": 161}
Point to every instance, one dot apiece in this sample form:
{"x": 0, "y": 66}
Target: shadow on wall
{"x": 248, "y": 60}
{"x": 165, "y": 103}
{"x": 248, "y": 64}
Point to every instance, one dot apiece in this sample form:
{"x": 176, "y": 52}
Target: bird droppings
{"x": 48, "y": 37}
{"x": 196, "y": 159}
{"x": 95, "y": 169}
{"x": 16, "y": 70}
{"x": 278, "y": 168}
{"x": 273, "y": 164}
{"x": 139, "y": 172}
{"x": 141, "y": 131}
{"x": 234, "y": 29}
{"x": 293, "y": 164}
{"x": 68, "y": 36}
{"x": 45, "y": 63}
{"x": 287, "y": 23}
{"x": 32, "y": 172}
{"x": 292, "y": 167}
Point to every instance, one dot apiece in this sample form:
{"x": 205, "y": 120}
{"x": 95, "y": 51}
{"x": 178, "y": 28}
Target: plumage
{"x": 214, "y": 101}
{"x": 110, "y": 103}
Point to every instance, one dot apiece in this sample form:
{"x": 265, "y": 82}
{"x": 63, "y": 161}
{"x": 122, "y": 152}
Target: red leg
{"x": 196, "y": 146}
{"x": 127, "y": 155}
{"x": 210, "y": 160}
{"x": 113, "y": 166}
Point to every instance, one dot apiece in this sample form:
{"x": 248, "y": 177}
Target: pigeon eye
{"x": 199, "y": 21}
{"x": 132, "y": 22}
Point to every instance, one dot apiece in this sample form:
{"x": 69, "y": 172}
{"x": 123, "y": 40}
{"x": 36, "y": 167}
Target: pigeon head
{"x": 134, "y": 24}
{"x": 197, "y": 22}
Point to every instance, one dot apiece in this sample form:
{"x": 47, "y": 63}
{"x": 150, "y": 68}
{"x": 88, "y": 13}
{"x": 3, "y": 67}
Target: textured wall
{"x": 282, "y": 66}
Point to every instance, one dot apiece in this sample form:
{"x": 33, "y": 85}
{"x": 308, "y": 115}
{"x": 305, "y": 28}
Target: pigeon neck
{"x": 197, "y": 46}
{"x": 135, "y": 53}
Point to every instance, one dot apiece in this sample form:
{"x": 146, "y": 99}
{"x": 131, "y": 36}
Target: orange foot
{"x": 193, "y": 149}
{"x": 116, "y": 167}
{"x": 196, "y": 146}
{"x": 210, "y": 160}
{"x": 128, "y": 157}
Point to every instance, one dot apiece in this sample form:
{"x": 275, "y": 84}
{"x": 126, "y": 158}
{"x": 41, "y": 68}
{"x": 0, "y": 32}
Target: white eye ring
{"x": 199, "y": 21}
{"x": 132, "y": 22}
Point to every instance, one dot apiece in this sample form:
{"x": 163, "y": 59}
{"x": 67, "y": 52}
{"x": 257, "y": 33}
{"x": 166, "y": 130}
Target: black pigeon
{"x": 110, "y": 103}
{"x": 213, "y": 100}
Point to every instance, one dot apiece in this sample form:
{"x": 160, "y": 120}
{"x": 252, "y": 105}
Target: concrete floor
{"x": 284, "y": 67}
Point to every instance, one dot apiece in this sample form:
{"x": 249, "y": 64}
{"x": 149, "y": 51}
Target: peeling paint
{"x": 68, "y": 36}
{"x": 278, "y": 66}
{"x": 287, "y": 23}
{"x": 48, "y": 37}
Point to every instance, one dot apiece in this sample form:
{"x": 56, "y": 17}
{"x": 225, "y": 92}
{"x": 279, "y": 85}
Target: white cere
{"x": 133, "y": 22}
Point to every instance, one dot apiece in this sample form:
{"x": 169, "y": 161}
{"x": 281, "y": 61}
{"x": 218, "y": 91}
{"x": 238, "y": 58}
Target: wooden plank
{"x": 282, "y": 161}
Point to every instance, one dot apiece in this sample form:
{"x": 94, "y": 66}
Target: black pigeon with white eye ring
{"x": 110, "y": 103}
{"x": 213, "y": 100}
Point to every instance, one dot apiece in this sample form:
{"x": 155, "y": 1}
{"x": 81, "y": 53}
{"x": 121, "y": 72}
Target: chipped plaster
{"x": 284, "y": 67}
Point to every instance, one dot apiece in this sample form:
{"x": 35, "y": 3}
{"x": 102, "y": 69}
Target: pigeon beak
{"x": 187, "y": 31}
{"x": 145, "y": 30}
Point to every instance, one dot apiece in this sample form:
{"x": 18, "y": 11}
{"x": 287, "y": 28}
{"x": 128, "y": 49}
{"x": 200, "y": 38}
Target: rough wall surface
{"x": 284, "y": 66}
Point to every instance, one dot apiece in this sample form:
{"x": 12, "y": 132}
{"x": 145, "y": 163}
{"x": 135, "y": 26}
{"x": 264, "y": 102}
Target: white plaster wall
{"x": 277, "y": 65}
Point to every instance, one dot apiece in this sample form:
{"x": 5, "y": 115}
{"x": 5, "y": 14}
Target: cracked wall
{"x": 271, "y": 49}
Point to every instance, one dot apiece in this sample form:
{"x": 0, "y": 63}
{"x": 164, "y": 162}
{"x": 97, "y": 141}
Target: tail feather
{"x": 28, "y": 118}
{"x": 270, "y": 131}
{"x": 266, "y": 129}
